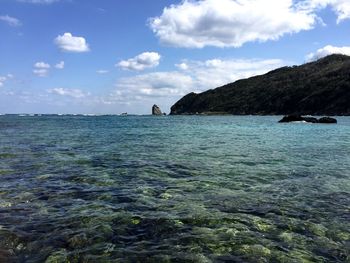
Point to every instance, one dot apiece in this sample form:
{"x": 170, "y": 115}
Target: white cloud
{"x": 156, "y": 84}
{"x": 38, "y": 1}
{"x": 328, "y": 50}
{"x": 42, "y": 65}
{"x": 232, "y": 23}
{"x": 340, "y": 7}
{"x": 60, "y": 65}
{"x": 41, "y": 72}
{"x": 182, "y": 66}
{"x": 217, "y": 72}
{"x": 41, "y": 69}
{"x": 11, "y": 21}
{"x": 74, "y": 93}
{"x": 2, "y": 80}
{"x": 229, "y": 23}
{"x": 69, "y": 43}
{"x": 169, "y": 86}
{"x": 102, "y": 71}
{"x": 132, "y": 94}
{"x": 141, "y": 62}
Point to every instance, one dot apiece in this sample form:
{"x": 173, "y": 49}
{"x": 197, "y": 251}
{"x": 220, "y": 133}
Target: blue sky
{"x": 108, "y": 57}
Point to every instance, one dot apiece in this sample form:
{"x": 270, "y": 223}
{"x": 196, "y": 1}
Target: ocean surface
{"x": 173, "y": 189}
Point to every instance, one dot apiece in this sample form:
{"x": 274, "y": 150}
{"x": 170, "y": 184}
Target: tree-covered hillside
{"x": 316, "y": 88}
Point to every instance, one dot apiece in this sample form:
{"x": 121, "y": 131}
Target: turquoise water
{"x": 173, "y": 189}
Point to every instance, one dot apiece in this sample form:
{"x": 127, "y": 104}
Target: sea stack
{"x": 156, "y": 110}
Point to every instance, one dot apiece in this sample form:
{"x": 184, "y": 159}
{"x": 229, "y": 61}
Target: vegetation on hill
{"x": 316, "y": 88}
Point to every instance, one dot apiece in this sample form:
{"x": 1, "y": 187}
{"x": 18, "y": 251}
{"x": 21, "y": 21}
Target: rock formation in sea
{"x": 327, "y": 120}
{"x": 156, "y": 110}
{"x": 295, "y": 118}
{"x": 316, "y": 88}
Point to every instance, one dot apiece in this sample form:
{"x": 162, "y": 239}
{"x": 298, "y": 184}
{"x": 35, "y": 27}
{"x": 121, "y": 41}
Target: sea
{"x": 173, "y": 189}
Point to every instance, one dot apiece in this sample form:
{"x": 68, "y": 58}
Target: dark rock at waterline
{"x": 327, "y": 120}
{"x": 294, "y": 118}
{"x": 156, "y": 110}
{"x": 291, "y": 118}
{"x": 310, "y": 119}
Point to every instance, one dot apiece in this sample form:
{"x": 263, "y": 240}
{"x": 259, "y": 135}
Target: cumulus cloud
{"x": 182, "y": 66}
{"x": 11, "y": 21}
{"x": 217, "y": 72}
{"x": 340, "y": 7}
{"x": 74, "y": 93}
{"x": 201, "y": 75}
{"x": 69, "y": 43}
{"x": 328, "y": 50}
{"x": 42, "y": 65}
{"x": 141, "y": 62}
{"x": 102, "y": 71}
{"x": 229, "y": 23}
{"x": 41, "y": 69}
{"x": 134, "y": 93}
{"x": 60, "y": 65}
{"x": 157, "y": 84}
{"x": 232, "y": 23}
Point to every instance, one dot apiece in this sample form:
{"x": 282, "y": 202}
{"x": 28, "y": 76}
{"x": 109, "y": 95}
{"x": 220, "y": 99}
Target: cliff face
{"x": 317, "y": 88}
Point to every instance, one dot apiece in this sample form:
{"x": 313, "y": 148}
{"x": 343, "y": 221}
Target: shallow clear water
{"x": 173, "y": 189}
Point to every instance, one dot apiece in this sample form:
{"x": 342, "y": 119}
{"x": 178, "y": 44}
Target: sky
{"x": 110, "y": 57}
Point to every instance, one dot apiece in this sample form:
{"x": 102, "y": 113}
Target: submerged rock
{"x": 327, "y": 120}
{"x": 156, "y": 110}
{"x": 58, "y": 257}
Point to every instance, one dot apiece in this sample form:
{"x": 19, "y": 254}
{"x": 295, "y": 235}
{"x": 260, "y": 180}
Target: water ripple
{"x": 173, "y": 189}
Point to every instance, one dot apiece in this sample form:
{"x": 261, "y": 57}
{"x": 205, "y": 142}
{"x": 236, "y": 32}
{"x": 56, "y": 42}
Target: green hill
{"x": 316, "y": 88}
